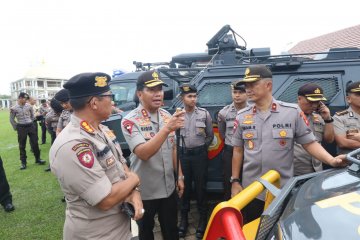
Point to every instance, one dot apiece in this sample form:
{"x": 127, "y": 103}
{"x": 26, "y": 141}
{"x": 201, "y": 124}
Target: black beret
{"x": 56, "y": 106}
{"x": 149, "y": 79}
{"x": 312, "y": 92}
{"x": 187, "y": 88}
{"x": 353, "y": 87}
{"x": 62, "y": 95}
{"x": 88, "y": 84}
{"x": 238, "y": 85}
{"x": 23, "y": 95}
{"x": 256, "y": 72}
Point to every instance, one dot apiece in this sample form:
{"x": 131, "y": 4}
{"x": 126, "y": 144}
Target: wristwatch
{"x": 232, "y": 179}
{"x": 329, "y": 121}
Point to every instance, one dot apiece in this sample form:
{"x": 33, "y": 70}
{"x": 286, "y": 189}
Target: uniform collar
{"x": 274, "y": 107}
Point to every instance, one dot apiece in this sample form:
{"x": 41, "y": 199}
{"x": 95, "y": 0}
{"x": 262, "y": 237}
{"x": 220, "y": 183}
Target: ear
{"x": 348, "y": 99}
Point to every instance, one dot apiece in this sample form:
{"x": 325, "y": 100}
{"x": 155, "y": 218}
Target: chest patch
{"x": 86, "y": 157}
{"x": 110, "y": 161}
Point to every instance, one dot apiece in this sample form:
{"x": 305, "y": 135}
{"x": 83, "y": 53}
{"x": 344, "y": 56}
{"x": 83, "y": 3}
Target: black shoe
{"x": 47, "y": 169}
{"x": 40, "y": 162}
{"x": 201, "y": 228}
{"x": 183, "y": 226}
{"x": 9, "y": 207}
{"x": 23, "y": 166}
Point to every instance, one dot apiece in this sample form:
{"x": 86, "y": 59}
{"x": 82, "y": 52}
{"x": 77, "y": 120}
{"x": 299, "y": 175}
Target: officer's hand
{"x": 235, "y": 188}
{"x": 135, "y": 200}
{"x": 176, "y": 121}
{"x": 180, "y": 188}
{"x": 324, "y": 111}
{"x": 339, "y": 161}
{"x": 353, "y": 136}
{"x": 133, "y": 176}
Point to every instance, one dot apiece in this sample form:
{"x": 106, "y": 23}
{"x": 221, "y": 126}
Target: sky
{"x": 74, "y": 36}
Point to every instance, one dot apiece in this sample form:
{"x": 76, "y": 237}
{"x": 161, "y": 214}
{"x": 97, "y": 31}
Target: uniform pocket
{"x": 200, "y": 128}
{"x": 250, "y": 139}
{"x": 230, "y": 128}
{"x": 283, "y": 139}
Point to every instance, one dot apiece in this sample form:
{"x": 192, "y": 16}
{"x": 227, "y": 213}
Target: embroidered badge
{"x": 251, "y": 144}
{"x": 144, "y": 113}
{"x": 282, "y": 133}
{"x": 248, "y": 116}
{"x": 273, "y": 107}
{"x": 87, "y": 127}
{"x": 86, "y": 157}
{"x": 302, "y": 114}
{"x": 254, "y": 109}
{"x": 249, "y": 135}
{"x": 236, "y": 124}
{"x": 110, "y": 161}
{"x": 152, "y": 134}
{"x": 282, "y": 142}
{"x": 110, "y": 134}
{"x": 79, "y": 145}
{"x": 128, "y": 125}
{"x": 100, "y": 81}
{"x": 249, "y": 121}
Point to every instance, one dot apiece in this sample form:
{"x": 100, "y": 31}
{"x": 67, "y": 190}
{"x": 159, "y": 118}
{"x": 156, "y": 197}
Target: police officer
{"x": 196, "y": 137}
{"x": 51, "y": 121}
{"x": 264, "y": 138}
{"x": 347, "y": 122}
{"x": 88, "y": 162}
{"x": 63, "y": 97}
{"x": 310, "y": 97}
{"x": 226, "y": 118}
{"x": 149, "y": 131}
{"x": 43, "y": 110}
{"x": 5, "y": 194}
{"x": 24, "y": 114}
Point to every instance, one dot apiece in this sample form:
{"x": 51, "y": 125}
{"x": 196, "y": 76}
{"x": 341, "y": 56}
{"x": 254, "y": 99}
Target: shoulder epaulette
{"x": 342, "y": 112}
{"x": 286, "y": 104}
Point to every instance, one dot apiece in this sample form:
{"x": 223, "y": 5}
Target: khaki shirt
{"x": 268, "y": 141}
{"x": 198, "y": 130}
{"x": 226, "y": 118}
{"x": 86, "y": 163}
{"x": 64, "y": 119}
{"x": 157, "y": 173}
{"x": 303, "y": 162}
{"x": 51, "y": 120}
{"x": 24, "y": 114}
{"x": 343, "y": 121}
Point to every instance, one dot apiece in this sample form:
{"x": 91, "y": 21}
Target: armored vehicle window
{"x": 330, "y": 85}
{"x": 123, "y": 94}
{"x": 215, "y": 94}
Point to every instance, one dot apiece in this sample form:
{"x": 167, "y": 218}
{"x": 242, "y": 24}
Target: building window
{"x": 40, "y": 84}
{"x": 53, "y": 84}
{"x": 27, "y": 83}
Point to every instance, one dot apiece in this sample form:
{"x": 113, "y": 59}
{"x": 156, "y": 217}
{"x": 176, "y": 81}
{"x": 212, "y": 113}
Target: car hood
{"x": 325, "y": 207}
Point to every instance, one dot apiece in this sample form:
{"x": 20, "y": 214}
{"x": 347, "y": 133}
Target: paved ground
{"x": 193, "y": 220}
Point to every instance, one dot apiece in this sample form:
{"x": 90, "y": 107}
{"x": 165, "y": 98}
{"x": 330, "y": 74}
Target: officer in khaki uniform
{"x": 226, "y": 118}
{"x": 88, "y": 163}
{"x": 24, "y": 114}
{"x": 149, "y": 131}
{"x": 347, "y": 122}
{"x": 264, "y": 138}
{"x": 63, "y": 97}
{"x": 43, "y": 110}
{"x": 196, "y": 137}
{"x": 310, "y": 97}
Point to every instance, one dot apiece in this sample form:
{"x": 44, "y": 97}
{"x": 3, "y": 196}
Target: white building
{"x": 40, "y": 81}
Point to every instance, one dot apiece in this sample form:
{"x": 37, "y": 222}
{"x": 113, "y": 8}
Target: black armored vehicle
{"x": 227, "y": 60}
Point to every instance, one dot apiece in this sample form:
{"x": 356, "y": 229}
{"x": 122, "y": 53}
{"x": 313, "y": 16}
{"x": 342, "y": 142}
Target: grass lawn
{"x": 39, "y": 212}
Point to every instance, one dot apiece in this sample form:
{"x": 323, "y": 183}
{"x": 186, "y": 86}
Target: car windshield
{"x": 124, "y": 94}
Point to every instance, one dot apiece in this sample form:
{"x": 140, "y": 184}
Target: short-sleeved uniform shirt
{"x": 51, "y": 120}
{"x": 303, "y": 161}
{"x": 157, "y": 173}
{"x": 226, "y": 118}
{"x": 24, "y": 114}
{"x": 86, "y": 163}
{"x": 198, "y": 130}
{"x": 43, "y": 110}
{"x": 343, "y": 121}
{"x": 64, "y": 119}
{"x": 268, "y": 140}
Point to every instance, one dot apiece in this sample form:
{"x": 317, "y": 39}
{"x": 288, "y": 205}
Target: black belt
{"x": 24, "y": 124}
{"x": 228, "y": 147}
{"x": 193, "y": 151}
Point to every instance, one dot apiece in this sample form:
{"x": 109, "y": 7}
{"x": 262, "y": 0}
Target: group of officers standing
{"x": 259, "y": 132}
